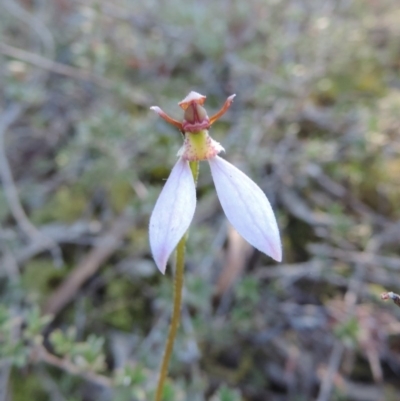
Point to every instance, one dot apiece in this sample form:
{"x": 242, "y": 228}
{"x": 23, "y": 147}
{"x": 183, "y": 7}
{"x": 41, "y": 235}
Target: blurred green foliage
{"x": 315, "y": 123}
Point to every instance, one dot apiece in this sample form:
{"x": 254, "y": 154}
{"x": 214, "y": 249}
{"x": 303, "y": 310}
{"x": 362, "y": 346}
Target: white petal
{"x": 246, "y": 207}
{"x": 172, "y": 213}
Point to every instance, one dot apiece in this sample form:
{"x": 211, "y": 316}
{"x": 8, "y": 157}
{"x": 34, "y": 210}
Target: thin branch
{"x": 350, "y": 300}
{"x": 363, "y": 258}
{"x": 5, "y": 368}
{"x": 36, "y": 25}
{"x": 333, "y": 367}
{"x": 7, "y": 119}
{"x": 41, "y": 354}
{"x": 105, "y": 247}
{"x": 10, "y": 190}
{"x": 53, "y": 66}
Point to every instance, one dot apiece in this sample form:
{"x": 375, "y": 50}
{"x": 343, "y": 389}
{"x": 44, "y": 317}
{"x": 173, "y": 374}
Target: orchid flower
{"x": 244, "y": 203}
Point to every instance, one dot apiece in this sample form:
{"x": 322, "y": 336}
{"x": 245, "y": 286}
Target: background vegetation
{"x": 84, "y": 312}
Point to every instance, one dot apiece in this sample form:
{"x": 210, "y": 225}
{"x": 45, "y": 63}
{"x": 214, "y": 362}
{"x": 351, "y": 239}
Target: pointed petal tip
{"x": 156, "y": 109}
{"x": 231, "y": 97}
{"x": 277, "y": 255}
{"x": 272, "y": 247}
{"x": 161, "y": 267}
{"x": 160, "y": 253}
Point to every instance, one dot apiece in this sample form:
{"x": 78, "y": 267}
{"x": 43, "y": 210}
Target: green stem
{"x": 176, "y": 313}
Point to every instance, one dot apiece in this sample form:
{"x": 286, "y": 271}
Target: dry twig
{"x": 35, "y": 24}
{"x": 105, "y": 247}
{"x": 11, "y": 193}
{"x": 41, "y": 354}
{"x": 5, "y": 368}
{"x": 53, "y": 66}
{"x": 350, "y": 300}
{"x": 235, "y": 262}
